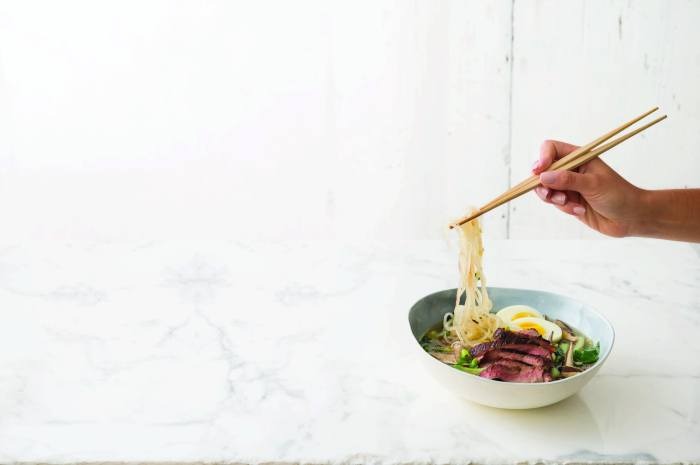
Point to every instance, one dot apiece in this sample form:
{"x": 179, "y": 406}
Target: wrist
{"x": 643, "y": 222}
{"x": 668, "y": 214}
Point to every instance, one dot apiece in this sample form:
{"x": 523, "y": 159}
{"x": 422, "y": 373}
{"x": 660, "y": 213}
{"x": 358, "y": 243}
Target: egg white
{"x": 514, "y": 312}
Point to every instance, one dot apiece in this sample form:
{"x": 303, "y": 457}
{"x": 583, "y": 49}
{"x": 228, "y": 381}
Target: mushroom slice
{"x": 445, "y": 357}
{"x": 457, "y": 349}
{"x": 569, "y": 361}
{"x": 567, "y": 332}
{"x": 567, "y": 372}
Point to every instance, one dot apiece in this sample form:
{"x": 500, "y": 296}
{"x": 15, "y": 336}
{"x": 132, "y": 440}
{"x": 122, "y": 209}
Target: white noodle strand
{"x": 471, "y": 321}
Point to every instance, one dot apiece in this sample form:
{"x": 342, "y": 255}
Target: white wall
{"x": 317, "y": 119}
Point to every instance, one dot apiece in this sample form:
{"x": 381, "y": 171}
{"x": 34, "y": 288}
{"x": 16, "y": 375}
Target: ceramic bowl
{"x": 429, "y": 311}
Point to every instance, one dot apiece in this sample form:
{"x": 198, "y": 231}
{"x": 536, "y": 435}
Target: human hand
{"x": 594, "y": 193}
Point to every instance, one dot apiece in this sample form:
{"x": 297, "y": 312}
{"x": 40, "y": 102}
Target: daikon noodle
{"x": 471, "y": 321}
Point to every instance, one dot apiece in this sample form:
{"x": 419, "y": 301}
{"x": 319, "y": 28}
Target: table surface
{"x": 300, "y": 352}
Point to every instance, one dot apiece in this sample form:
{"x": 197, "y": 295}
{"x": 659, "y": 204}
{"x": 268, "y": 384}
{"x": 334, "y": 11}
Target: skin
{"x": 603, "y": 200}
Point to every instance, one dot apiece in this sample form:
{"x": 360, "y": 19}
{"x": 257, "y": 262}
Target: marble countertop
{"x": 293, "y": 352}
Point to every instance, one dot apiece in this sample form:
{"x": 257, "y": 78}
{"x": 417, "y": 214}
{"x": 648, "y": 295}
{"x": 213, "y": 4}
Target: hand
{"x": 594, "y": 193}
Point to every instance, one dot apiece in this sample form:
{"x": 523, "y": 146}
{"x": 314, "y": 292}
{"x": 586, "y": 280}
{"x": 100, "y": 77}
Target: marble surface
{"x": 300, "y": 352}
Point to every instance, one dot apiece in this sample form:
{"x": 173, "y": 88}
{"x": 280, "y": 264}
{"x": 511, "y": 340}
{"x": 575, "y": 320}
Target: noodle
{"x": 472, "y": 339}
{"x": 471, "y": 321}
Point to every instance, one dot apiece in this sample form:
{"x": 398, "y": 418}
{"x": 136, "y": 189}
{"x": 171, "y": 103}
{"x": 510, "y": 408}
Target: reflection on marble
{"x": 300, "y": 352}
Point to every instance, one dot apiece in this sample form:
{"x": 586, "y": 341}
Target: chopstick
{"x": 580, "y": 160}
{"x": 578, "y": 152}
{"x": 572, "y": 161}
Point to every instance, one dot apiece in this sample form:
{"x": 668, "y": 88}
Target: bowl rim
{"x": 588, "y": 308}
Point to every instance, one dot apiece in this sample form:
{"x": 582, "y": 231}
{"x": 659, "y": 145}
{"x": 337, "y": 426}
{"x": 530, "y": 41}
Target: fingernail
{"x": 535, "y": 165}
{"x": 548, "y": 177}
{"x": 559, "y": 198}
{"x": 579, "y": 210}
{"x": 543, "y": 191}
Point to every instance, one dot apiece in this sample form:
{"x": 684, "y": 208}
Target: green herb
{"x": 555, "y": 373}
{"x": 587, "y": 354}
{"x": 560, "y": 353}
{"x": 465, "y": 359}
{"x": 470, "y": 370}
{"x": 563, "y": 347}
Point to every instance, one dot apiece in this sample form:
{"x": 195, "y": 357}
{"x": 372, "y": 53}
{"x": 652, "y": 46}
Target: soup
{"x": 515, "y": 344}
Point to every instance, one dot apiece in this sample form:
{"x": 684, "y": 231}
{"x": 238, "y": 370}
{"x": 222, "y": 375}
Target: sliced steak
{"x": 531, "y": 349}
{"x": 529, "y": 333}
{"x": 529, "y": 342}
{"x": 515, "y": 372}
{"x": 496, "y": 355}
{"x": 526, "y": 336}
{"x": 480, "y": 349}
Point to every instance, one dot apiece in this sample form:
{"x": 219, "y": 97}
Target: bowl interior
{"x": 430, "y": 310}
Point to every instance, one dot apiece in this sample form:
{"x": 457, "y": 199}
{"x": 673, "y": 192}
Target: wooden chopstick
{"x": 576, "y": 162}
{"x": 575, "y": 154}
{"x": 572, "y": 161}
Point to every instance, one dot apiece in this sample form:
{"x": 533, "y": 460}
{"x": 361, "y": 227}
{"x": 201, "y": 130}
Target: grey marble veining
{"x": 299, "y": 352}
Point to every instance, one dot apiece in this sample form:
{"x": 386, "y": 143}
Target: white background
{"x": 319, "y": 120}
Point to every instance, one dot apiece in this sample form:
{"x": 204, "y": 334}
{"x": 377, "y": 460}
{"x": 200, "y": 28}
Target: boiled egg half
{"x": 514, "y": 312}
{"x": 547, "y": 329}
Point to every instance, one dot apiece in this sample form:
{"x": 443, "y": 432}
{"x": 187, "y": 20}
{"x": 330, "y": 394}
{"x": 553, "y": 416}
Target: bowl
{"x": 428, "y": 312}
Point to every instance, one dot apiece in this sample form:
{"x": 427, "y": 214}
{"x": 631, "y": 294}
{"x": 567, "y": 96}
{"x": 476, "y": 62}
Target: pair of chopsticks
{"x": 572, "y": 161}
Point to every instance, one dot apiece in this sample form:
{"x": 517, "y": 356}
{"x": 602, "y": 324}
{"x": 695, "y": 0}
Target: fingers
{"x": 573, "y": 208}
{"x": 551, "y": 150}
{"x": 543, "y": 193}
{"x": 568, "y": 202}
{"x": 551, "y": 196}
{"x": 585, "y": 183}
{"x": 558, "y": 198}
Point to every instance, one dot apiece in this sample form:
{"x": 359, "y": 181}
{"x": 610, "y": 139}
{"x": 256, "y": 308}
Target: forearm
{"x": 669, "y": 214}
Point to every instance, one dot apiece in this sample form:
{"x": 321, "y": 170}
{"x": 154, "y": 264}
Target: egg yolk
{"x": 520, "y": 315}
{"x": 534, "y": 326}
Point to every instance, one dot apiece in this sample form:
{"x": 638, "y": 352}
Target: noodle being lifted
{"x": 471, "y": 321}
{"x": 516, "y": 344}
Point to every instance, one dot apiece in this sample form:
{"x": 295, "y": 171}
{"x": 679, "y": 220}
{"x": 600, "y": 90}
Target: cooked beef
{"x": 529, "y": 333}
{"x": 496, "y": 355}
{"x": 527, "y": 349}
{"x": 529, "y": 342}
{"x": 480, "y": 349}
{"x": 521, "y": 357}
{"x": 515, "y": 372}
{"x": 527, "y": 336}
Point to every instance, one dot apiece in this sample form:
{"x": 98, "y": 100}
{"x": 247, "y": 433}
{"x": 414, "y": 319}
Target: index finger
{"x": 551, "y": 150}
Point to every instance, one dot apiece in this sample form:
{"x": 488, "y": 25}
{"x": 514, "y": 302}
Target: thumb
{"x": 569, "y": 181}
